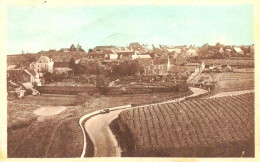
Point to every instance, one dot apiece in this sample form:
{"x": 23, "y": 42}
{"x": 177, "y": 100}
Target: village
{"x": 111, "y": 69}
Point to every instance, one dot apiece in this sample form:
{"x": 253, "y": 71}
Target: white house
{"x": 238, "y": 50}
{"x": 221, "y": 50}
{"x": 144, "y": 56}
{"x": 175, "y": 50}
{"x": 113, "y": 56}
{"x": 43, "y": 64}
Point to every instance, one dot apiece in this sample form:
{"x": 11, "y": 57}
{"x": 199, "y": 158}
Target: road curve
{"x": 105, "y": 144}
{"x": 87, "y": 116}
{"x": 97, "y": 127}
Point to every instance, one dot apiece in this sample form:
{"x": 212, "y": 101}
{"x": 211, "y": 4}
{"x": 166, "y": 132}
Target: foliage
{"x": 93, "y": 67}
{"x": 72, "y": 63}
{"x": 79, "y": 69}
{"x": 48, "y": 77}
{"x": 126, "y": 68}
{"x": 102, "y": 83}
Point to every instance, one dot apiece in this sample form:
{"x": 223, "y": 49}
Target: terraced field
{"x": 234, "y": 81}
{"x": 236, "y": 76}
{"x": 231, "y": 62}
{"x": 219, "y": 127}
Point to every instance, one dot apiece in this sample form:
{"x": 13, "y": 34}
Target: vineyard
{"x": 219, "y": 127}
{"x": 231, "y": 62}
{"x": 236, "y": 76}
{"x": 234, "y": 81}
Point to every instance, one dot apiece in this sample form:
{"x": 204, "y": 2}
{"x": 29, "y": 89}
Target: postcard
{"x": 129, "y": 80}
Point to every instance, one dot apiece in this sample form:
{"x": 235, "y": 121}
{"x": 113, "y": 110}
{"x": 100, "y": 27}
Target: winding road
{"x": 105, "y": 144}
{"x": 97, "y": 127}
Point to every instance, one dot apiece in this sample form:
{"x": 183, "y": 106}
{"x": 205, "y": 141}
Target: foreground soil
{"x": 31, "y": 135}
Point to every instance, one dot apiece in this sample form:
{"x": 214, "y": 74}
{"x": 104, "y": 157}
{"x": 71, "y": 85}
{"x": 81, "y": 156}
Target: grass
{"x": 59, "y": 135}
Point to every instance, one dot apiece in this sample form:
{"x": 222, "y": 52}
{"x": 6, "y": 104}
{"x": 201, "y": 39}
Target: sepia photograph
{"x": 130, "y": 81}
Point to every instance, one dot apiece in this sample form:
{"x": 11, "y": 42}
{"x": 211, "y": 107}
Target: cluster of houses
{"x": 134, "y": 51}
{"x": 162, "y": 61}
{"x": 34, "y": 71}
{"x": 72, "y": 48}
{"x": 207, "y": 51}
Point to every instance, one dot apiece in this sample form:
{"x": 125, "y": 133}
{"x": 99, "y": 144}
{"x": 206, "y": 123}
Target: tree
{"x": 126, "y": 68}
{"x": 79, "y": 69}
{"x": 72, "y": 63}
{"x": 93, "y": 67}
{"x": 102, "y": 83}
{"x": 48, "y": 77}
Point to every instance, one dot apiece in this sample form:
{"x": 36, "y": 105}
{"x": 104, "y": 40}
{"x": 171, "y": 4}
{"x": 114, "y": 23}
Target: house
{"x": 64, "y": 50}
{"x": 113, "y": 56}
{"x": 228, "y": 51}
{"x": 195, "y": 64}
{"x": 43, "y": 64}
{"x": 77, "y": 61}
{"x": 174, "y": 50}
{"x": 138, "y": 47}
{"x": 13, "y": 71}
{"x": 221, "y": 51}
{"x": 238, "y": 50}
{"x": 82, "y": 61}
{"x": 125, "y": 54}
{"x": 61, "y": 67}
{"x": 141, "y": 56}
{"x": 29, "y": 76}
{"x": 158, "y": 66}
{"x": 191, "y": 53}
{"x": 195, "y": 67}
{"x": 97, "y": 55}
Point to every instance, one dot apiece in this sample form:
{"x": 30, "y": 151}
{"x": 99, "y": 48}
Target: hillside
{"x": 234, "y": 81}
{"x": 219, "y": 127}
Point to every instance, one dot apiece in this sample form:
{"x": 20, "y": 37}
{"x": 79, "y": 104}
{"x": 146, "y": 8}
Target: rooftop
{"x": 44, "y": 59}
{"x": 61, "y": 65}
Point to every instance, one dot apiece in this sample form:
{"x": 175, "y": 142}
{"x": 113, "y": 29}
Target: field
{"x": 234, "y": 81}
{"x": 31, "y": 135}
{"x": 219, "y": 127}
{"x": 231, "y": 62}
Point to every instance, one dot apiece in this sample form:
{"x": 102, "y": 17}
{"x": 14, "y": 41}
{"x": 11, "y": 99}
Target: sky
{"x": 33, "y": 29}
